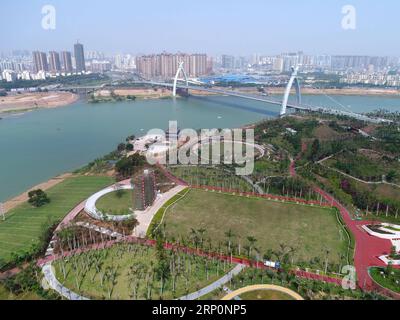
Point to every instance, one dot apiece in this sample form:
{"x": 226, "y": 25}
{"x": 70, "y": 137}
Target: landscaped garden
{"x": 24, "y": 231}
{"x": 387, "y": 277}
{"x": 211, "y": 176}
{"x": 255, "y": 227}
{"x": 138, "y": 272}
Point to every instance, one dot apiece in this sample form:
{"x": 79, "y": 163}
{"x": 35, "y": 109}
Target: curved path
{"x": 54, "y": 284}
{"x": 90, "y": 205}
{"x": 215, "y": 285}
{"x": 257, "y": 287}
{"x": 367, "y": 248}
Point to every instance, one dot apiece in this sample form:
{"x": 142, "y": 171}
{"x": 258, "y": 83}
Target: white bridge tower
{"x": 295, "y": 79}
{"x": 180, "y": 69}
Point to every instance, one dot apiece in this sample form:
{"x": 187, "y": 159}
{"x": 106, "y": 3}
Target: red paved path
{"x": 199, "y": 252}
{"x": 367, "y": 248}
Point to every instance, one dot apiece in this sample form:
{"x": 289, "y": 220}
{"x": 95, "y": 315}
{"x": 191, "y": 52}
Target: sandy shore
{"x": 140, "y": 93}
{"x": 30, "y": 101}
{"x": 23, "y": 197}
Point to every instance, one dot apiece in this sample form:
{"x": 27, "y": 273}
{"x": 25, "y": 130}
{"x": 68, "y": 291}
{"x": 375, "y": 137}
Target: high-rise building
{"x": 66, "y": 61}
{"x": 165, "y": 65}
{"x": 100, "y": 66}
{"x": 228, "y": 62}
{"x": 54, "y": 58}
{"x": 79, "y": 57}
{"x": 277, "y": 64}
{"x": 40, "y": 61}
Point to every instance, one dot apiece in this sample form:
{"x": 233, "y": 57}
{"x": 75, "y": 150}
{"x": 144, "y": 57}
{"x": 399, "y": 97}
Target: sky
{"x": 208, "y": 26}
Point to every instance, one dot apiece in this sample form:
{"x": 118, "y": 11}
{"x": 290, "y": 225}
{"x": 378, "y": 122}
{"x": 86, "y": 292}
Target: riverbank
{"x": 37, "y": 100}
{"x": 163, "y": 93}
{"x": 23, "y": 197}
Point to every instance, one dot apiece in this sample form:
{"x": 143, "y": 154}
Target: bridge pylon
{"x": 180, "y": 69}
{"x": 293, "y": 79}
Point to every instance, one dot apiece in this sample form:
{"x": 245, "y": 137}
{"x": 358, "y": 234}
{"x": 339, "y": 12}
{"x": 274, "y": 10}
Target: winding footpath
{"x": 367, "y": 248}
{"x": 215, "y": 285}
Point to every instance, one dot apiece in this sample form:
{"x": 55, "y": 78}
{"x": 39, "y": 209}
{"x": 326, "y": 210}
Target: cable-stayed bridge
{"x": 187, "y": 84}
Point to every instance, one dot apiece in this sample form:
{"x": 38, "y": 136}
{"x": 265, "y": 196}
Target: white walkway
{"x": 145, "y": 217}
{"x": 90, "y": 205}
{"x": 215, "y": 285}
{"x": 54, "y": 284}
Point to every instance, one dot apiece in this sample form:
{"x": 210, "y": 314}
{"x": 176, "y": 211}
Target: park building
{"x": 145, "y": 190}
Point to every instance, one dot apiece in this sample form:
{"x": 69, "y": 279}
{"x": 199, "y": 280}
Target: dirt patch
{"x": 29, "y": 101}
{"x": 324, "y": 132}
{"x": 388, "y": 191}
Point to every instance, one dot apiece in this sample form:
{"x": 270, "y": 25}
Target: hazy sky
{"x": 210, "y": 26}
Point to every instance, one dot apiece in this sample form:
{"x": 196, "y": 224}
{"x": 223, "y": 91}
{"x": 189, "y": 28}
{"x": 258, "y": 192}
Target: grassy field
{"x": 387, "y": 281}
{"x": 116, "y": 203}
{"x": 265, "y": 295}
{"x": 313, "y": 232}
{"x": 129, "y": 272}
{"x": 24, "y": 224}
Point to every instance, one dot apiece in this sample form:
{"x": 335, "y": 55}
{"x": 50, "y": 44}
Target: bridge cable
{"x": 335, "y": 101}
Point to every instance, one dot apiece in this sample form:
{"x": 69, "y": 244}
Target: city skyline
{"x": 262, "y": 27}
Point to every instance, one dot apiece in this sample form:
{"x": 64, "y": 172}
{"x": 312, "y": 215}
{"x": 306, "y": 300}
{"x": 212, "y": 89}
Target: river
{"x": 38, "y": 145}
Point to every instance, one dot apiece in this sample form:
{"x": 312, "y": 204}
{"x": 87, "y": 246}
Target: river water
{"x": 38, "y": 145}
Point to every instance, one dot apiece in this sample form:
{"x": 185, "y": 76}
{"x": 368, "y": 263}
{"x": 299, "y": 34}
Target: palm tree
{"x": 251, "y": 241}
{"x": 327, "y": 251}
{"x": 194, "y": 237}
{"x": 201, "y": 232}
{"x": 229, "y": 234}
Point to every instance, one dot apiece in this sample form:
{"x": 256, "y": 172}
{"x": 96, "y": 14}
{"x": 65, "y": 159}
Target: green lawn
{"x": 129, "y": 272}
{"x": 24, "y": 224}
{"x": 116, "y": 203}
{"x": 314, "y": 232}
{"x": 265, "y": 295}
{"x": 387, "y": 281}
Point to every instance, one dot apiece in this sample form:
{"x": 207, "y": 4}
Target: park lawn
{"x": 265, "y": 295}
{"x": 115, "y": 204}
{"x": 310, "y": 230}
{"x": 385, "y": 281}
{"x": 131, "y": 263}
{"x": 24, "y": 224}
